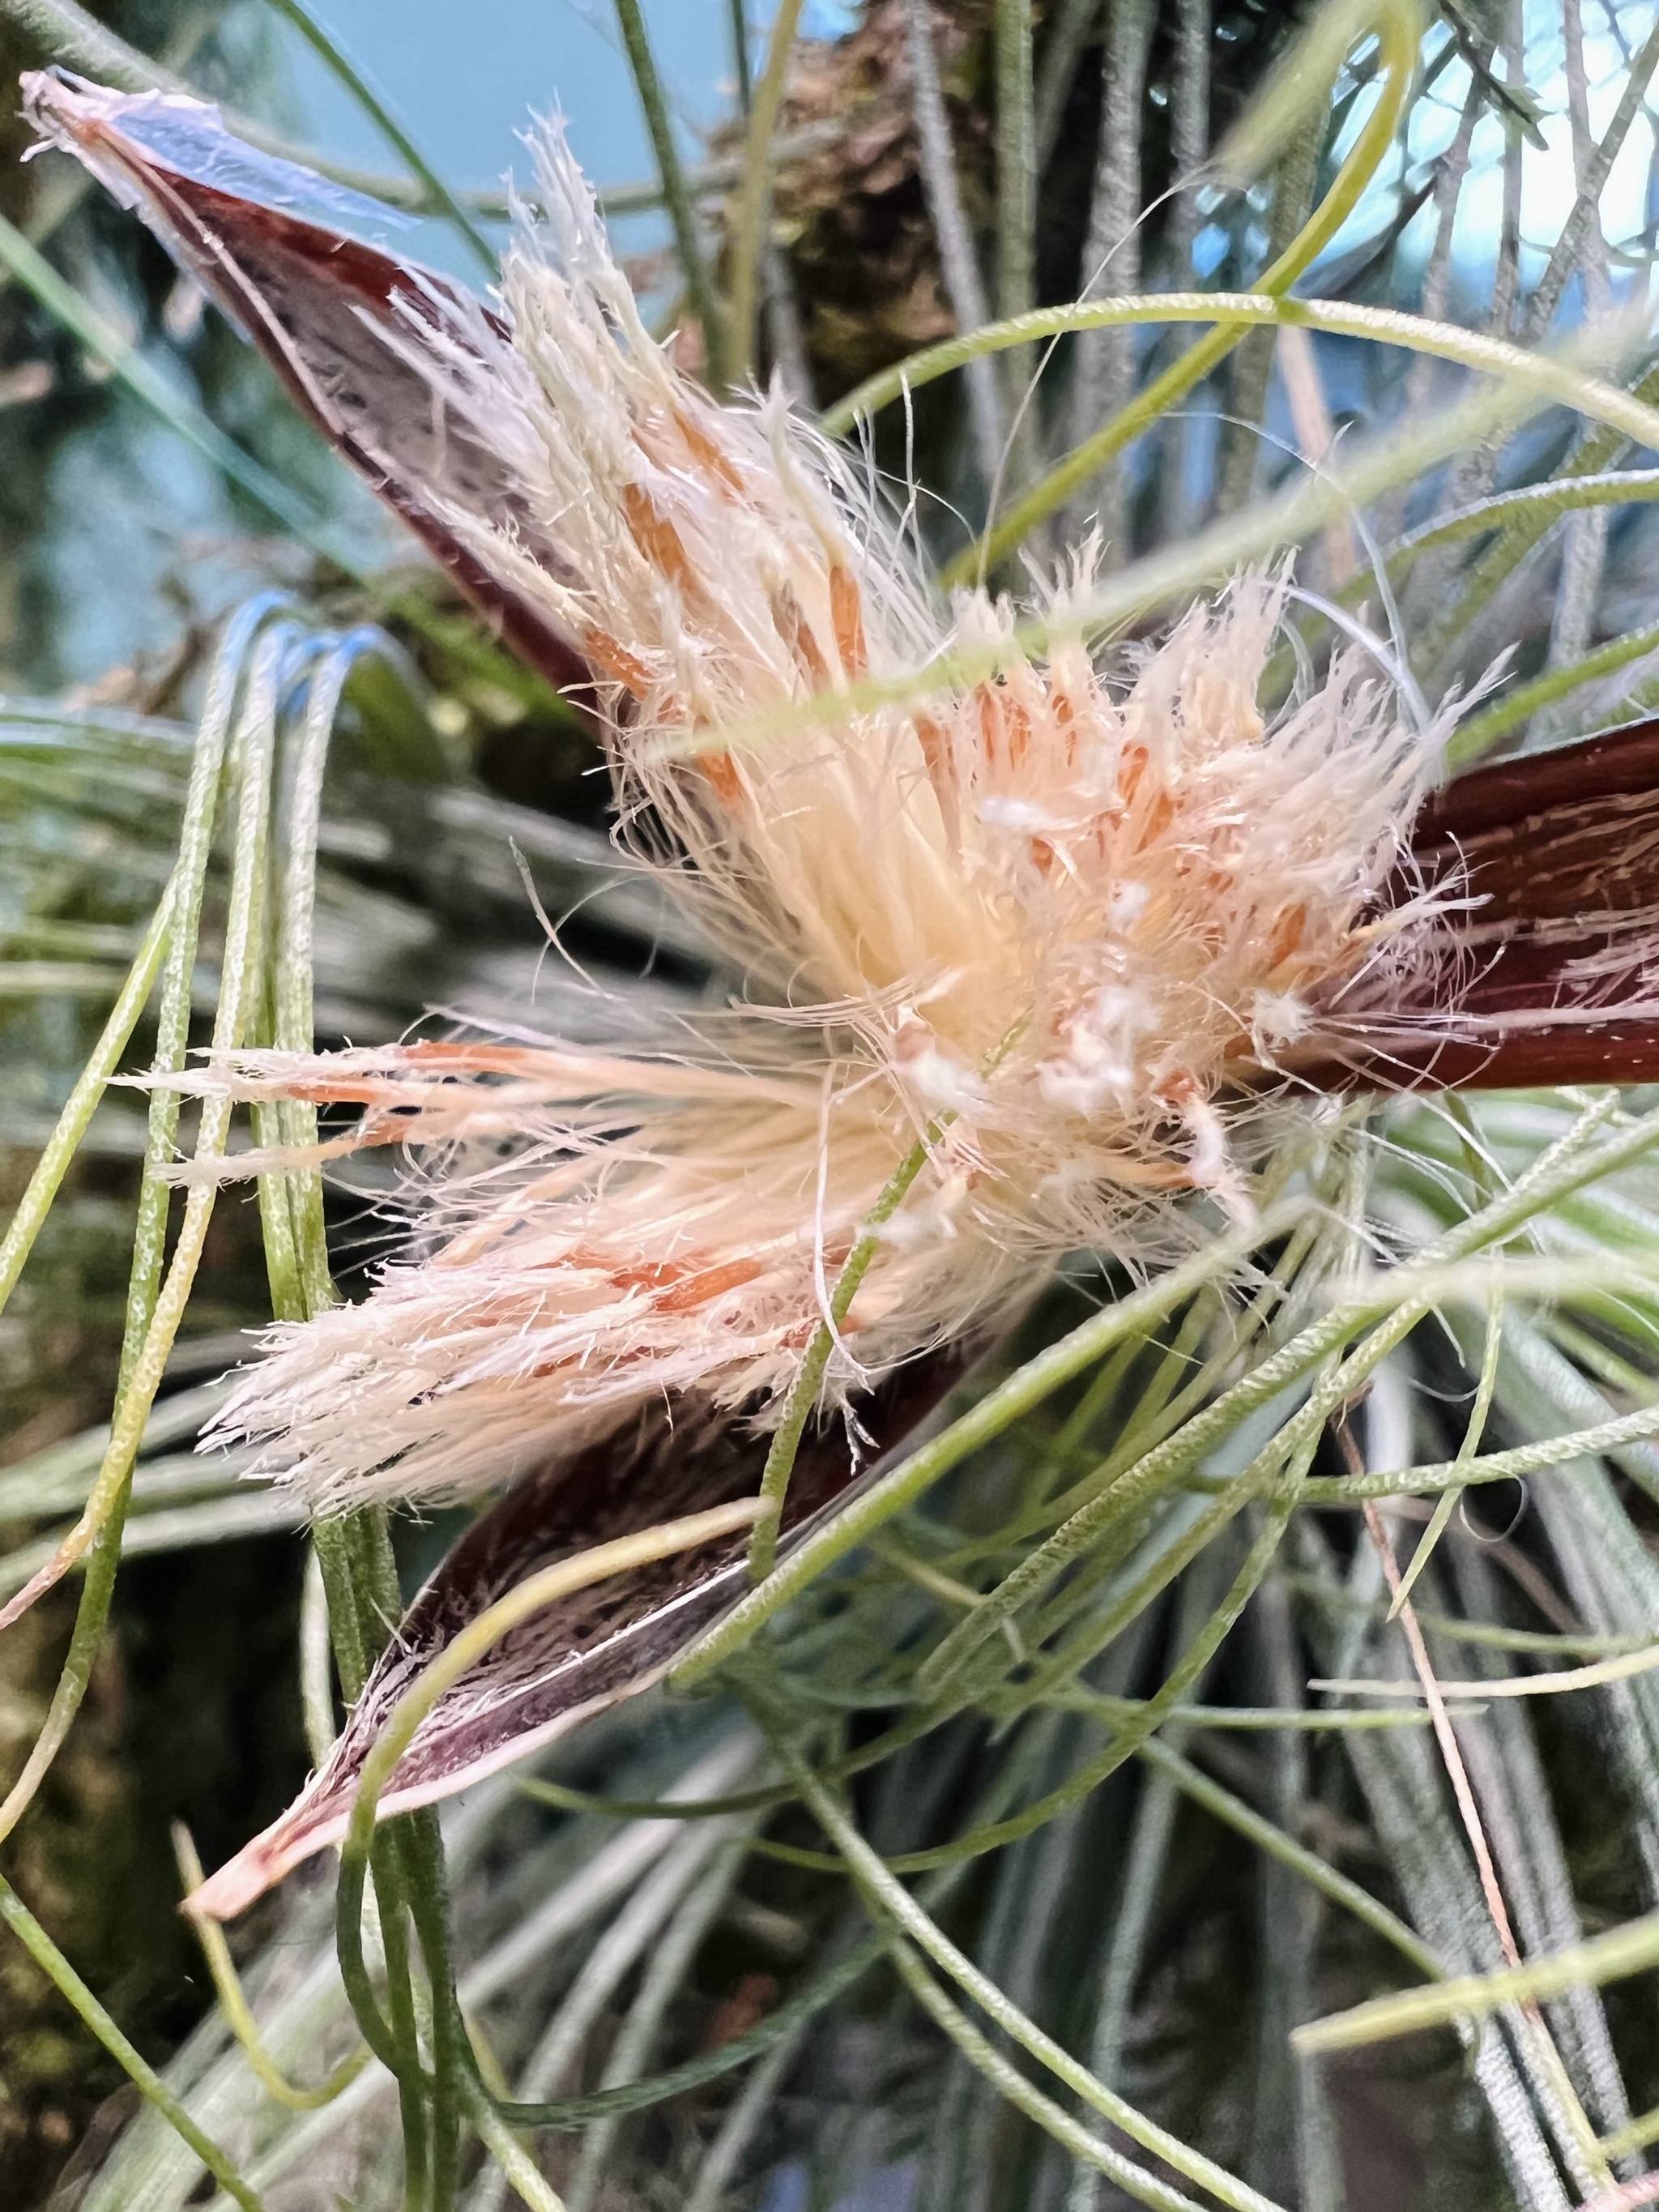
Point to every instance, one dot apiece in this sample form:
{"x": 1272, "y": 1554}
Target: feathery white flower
{"x": 1087, "y": 926}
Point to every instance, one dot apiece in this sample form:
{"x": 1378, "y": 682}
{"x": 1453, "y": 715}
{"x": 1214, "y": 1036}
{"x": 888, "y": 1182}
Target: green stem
{"x": 462, "y": 1652}
{"x": 804, "y": 1394}
{"x": 1493, "y": 1467}
{"x": 1634, "y": 414}
{"x": 67, "y": 33}
{"x": 1482, "y": 731}
{"x": 451, "y": 2056}
{"x": 1631, "y": 1949}
{"x": 1020, "y": 1394}
{"x": 1479, "y": 1413}
{"x": 1394, "y": 1314}
{"x": 1178, "y": 570}
{"x": 100, "y": 1529}
{"x": 1015, "y": 133}
{"x": 682, "y": 210}
{"x": 1246, "y": 1821}
{"x": 1138, "y": 1727}
{"x": 1008, "y": 2082}
{"x": 1398, "y": 26}
{"x": 1295, "y": 176}
{"x": 515, "y": 2162}
{"x": 755, "y": 200}
{"x": 894, "y": 1903}
{"x": 354, "y": 1554}
{"x": 233, "y": 2003}
{"x": 1498, "y": 563}
{"x": 1396, "y": 1311}
{"x": 403, "y": 2054}
{"x": 636, "y": 2096}
{"x": 739, "y": 11}
{"x": 128, "y": 366}
{"x": 148, "y": 2083}
{"x": 83, "y": 1101}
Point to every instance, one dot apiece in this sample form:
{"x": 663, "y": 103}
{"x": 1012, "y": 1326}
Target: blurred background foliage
{"x": 1141, "y": 1927}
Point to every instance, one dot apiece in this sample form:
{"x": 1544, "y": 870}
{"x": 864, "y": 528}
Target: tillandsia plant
{"x": 1072, "y": 966}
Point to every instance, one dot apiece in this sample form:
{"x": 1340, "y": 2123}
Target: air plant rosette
{"x": 1046, "y": 950}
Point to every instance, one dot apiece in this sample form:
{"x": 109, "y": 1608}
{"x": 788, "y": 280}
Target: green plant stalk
{"x": 1296, "y": 1442}
{"x": 1249, "y": 381}
{"x": 1482, "y": 731}
{"x": 1595, "y": 1675}
{"x": 663, "y": 1980}
{"x": 1629, "y": 1949}
{"x": 755, "y": 198}
{"x": 81, "y": 1104}
{"x": 1014, "y": 119}
{"x": 1544, "y": 503}
{"x": 354, "y": 1555}
{"x": 1480, "y": 586}
{"x": 784, "y": 2018}
{"x": 1398, "y": 25}
{"x": 1246, "y": 1821}
{"x": 526, "y": 2177}
{"x": 1172, "y": 574}
{"x": 148, "y": 2083}
{"x": 453, "y": 2064}
{"x": 1016, "y": 145}
{"x": 718, "y": 2166}
{"x": 1254, "y": 1719}
{"x": 1490, "y": 1637}
{"x": 1020, "y": 1394}
{"x": 403, "y": 2055}
{"x": 1637, "y": 2136}
{"x": 1479, "y": 1413}
{"x": 1491, "y": 1467}
{"x": 144, "y": 1293}
{"x": 1148, "y": 1426}
{"x": 437, "y": 194}
{"x": 1394, "y": 1314}
{"x": 478, "y": 1638}
{"x": 1152, "y": 1715}
{"x": 636, "y": 2096}
{"x": 1569, "y": 248}
{"x": 1633, "y": 412}
{"x": 67, "y": 33}
{"x": 739, "y": 12}
{"x": 1565, "y": 1165}
{"x": 233, "y": 2003}
{"x": 682, "y": 212}
{"x": 893, "y": 1905}
{"x": 804, "y": 1393}
{"x": 1065, "y": 35}
{"x": 1008, "y": 2082}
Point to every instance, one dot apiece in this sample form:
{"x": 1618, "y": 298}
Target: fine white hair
{"x": 1080, "y": 930}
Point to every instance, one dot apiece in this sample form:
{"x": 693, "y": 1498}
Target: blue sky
{"x": 464, "y": 78}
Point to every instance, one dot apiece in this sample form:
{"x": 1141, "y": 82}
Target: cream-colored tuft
{"x": 1084, "y": 928}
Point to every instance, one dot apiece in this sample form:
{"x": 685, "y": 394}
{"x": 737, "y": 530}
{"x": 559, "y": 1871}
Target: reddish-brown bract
{"x": 1561, "y": 855}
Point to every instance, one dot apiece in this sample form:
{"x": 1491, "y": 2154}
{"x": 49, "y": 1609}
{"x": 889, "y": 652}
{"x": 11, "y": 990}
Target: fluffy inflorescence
{"x": 1079, "y": 936}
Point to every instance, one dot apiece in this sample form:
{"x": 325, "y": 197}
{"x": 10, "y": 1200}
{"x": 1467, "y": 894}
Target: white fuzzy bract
{"x": 1080, "y": 932}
